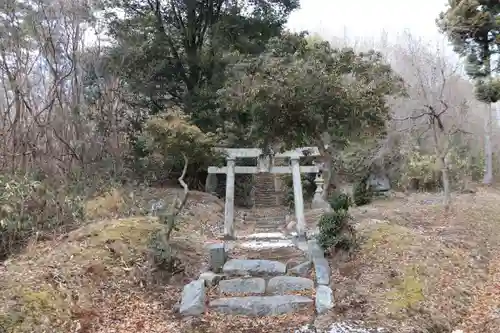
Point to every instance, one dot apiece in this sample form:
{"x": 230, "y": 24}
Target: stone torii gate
{"x": 265, "y": 164}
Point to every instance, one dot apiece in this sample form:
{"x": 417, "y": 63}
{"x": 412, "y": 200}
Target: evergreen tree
{"x": 473, "y": 27}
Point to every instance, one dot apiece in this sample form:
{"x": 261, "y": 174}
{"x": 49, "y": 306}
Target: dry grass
{"x": 132, "y": 201}
{"x": 213, "y": 322}
{"x": 420, "y": 269}
{"x": 99, "y": 278}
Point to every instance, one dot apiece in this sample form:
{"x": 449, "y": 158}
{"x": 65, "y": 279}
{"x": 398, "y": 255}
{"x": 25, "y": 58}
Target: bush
{"x": 340, "y": 201}
{"x": 362, "y": 193}
{"x": 336, "y": 232}
{"x": 29, "y": 208}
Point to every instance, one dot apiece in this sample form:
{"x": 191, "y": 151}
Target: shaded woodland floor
{"x": 418, "y": 269}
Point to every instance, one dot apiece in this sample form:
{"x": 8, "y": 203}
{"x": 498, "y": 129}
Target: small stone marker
{"x": 250, "y": 285}
{"x": 324, "y": 299}
{"x": 283, "y": 284}
{"x": 193, "y": 299}
{"x": 217, "y": 256}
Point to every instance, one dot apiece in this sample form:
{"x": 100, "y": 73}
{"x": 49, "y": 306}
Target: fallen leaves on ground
{"x": 420, "y": 268}
{"x": 213, "y": 322}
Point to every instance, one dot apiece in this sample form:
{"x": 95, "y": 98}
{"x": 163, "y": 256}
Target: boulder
{"x": 193, "y": 299}
{"x": 379, "y": 182}
{"x": 324, "y": 299}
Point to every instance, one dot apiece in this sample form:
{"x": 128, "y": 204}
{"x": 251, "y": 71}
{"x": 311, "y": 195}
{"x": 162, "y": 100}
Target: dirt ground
{"x": 418, "y": 269}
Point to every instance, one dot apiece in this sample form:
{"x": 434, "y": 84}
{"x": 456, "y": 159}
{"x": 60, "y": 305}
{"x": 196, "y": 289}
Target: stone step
{"x": 260, "y": 305}
{"x": 263, "y": 236}
{"x": 278, "y": 285}
{"x": 270, "y": 222}
{"x": 269, "y": 227}
{"x": 263, "y": 245}
{"x": 253, "y": 267}
{"x": 243, "y": 285}
{"x": 266, "y": 218}
{"x": 281, "y": 285}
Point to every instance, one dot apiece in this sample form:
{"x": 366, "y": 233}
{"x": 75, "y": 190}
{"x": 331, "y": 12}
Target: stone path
{"x": 260, "y": 287}
{"x": 269, "y": 219}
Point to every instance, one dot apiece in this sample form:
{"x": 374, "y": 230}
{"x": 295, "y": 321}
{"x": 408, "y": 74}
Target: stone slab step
{"x": 254, "y": 244}
{"x": 249, "y": 285}
{"x": 268, "y": 218}
{"x": 253, "y": 267}
{"x": 263, "y": 236}
{"x": 280, "y": 285}
{"x": 260, "y": 305}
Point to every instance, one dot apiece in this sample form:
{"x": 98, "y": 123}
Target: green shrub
{"x": 340, "y": 201}
{"x": 29, "y": 208}
{"x": 362, "y": 193}
{"x": 336, "y": 232}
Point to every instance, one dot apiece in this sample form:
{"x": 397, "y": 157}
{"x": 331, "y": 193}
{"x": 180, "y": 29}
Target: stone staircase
{"x": 269, "y": 219}
{"x": 267, "y": 192}
{"x": 259, "y": 287}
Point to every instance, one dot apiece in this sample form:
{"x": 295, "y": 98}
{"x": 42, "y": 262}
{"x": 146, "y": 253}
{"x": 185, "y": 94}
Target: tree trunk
{"x": 488, "y": 151}
{"x": 327, "y": 176}
{"x": 446, "y": 183}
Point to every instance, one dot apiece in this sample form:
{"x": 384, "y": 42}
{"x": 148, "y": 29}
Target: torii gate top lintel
{"x": 265, "y": 163}
{"x": 233, "y": 153}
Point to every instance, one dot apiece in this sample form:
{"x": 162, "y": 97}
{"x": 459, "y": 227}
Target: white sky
{"x": 368, "y": 18}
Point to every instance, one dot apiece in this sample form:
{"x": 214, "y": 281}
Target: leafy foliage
{"x": 30, "y": 208}
{"x": 297, "y": 92}
{"x": 420, "y": 166}
{"x": 336, "y": 231}
{"x": 303, "y": 92}
{"x": 474, "y": 29}
{"x": 420, "y": 169}
{"x": 178, "y": 50}
{"x": 172, "y": 134}
{"x": 340, "y": 201}
{"x": 362, "y": 192}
